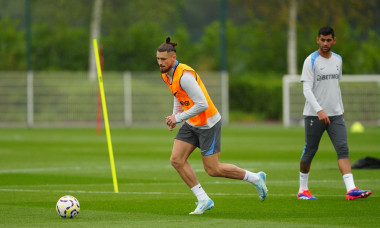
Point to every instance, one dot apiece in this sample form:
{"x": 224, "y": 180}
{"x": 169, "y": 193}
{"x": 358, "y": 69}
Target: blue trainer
{"x": 356, "y": 193}
{"x": 305, "y": 195}
{"x": 202, "y": 206}
{"x": 261, "y": 186}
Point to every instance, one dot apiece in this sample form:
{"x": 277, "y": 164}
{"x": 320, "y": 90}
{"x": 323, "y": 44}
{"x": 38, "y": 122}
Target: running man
{"x": 323, "y": 111}
{"x": 202, "y": 128}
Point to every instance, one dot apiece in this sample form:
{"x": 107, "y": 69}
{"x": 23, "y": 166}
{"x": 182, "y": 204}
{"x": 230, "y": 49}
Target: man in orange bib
{"x": 202, "y": 128}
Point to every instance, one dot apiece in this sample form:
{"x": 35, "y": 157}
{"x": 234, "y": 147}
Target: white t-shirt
{"x": 320, "y": 78}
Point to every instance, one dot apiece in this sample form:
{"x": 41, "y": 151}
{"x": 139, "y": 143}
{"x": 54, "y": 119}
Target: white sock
{"x": 304, "y": 178}
{"x": 251, "y": 177}
{"x": 349, "y": 181}
{"x": 199, "y": 192}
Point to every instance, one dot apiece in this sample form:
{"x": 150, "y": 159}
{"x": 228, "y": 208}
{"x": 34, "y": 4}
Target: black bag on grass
{"x": 367, "y": 163}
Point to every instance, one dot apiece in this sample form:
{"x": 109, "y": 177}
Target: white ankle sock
{"x": 251, "y": 177}
{"x": 304, "y": 178}
{"x": 199, "y": 192}
{"x": 349, "y": 181}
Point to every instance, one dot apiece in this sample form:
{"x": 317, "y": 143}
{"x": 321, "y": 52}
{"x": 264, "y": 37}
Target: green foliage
{"x": 352, "y": 22}
{"x": 185, "y": 54}
{"x": 369, "y": 53}
{"x": 133, "y": 48}
{"x": 257, "y": 95}
{"x": 261, "y": 53}
{"x": 210, "y": 47}
{"x": 256, "y": 35}
{"x": 131, "y": 30}
{"x": 59, "y": 48}
{"x": 12, "y": 45}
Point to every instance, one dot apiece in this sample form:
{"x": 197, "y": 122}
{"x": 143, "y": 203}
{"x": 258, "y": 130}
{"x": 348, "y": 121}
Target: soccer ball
{"x": 68, "y": 206}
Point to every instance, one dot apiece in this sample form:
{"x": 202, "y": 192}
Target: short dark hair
{"x": 167, "y": 46}
{"x": 326, "y": 30}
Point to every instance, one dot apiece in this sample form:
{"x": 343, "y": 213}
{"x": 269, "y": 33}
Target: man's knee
{"x": 308, "y": 153}
{"x": 342, "y": 152}
{"x": 213, "y": 171}
{"x": 176, "y": 162}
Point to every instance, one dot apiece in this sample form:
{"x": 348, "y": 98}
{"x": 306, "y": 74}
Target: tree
{"x": 95, "y": 34}
{"x": 12, "y": 45}
{"x": 292, "y": 38}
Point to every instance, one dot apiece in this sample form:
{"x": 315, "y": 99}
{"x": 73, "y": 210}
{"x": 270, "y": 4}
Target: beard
{"x": 164, "y": 69}
{"x": 325, "y": 49}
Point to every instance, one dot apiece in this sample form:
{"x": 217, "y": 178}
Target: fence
{"x": 68, "y": 99}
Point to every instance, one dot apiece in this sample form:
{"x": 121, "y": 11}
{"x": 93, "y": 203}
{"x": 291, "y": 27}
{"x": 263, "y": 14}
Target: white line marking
{"x": 274, "y": 182}
{"x": 156, "y": 193}
{"x": 36, "y": 170}
{"x": 86, "y": 192}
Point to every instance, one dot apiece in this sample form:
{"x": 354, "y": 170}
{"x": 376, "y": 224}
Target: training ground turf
{"x": 38, "y": 166}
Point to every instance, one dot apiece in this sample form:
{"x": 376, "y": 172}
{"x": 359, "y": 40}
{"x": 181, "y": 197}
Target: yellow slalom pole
{"x": 105, "y": 117}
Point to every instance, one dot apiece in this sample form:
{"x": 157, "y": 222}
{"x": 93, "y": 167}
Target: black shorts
{"x": 208, "y": 140}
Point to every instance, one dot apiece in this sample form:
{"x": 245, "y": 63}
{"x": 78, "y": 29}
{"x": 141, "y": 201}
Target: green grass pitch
{"x": 38, "y": 166}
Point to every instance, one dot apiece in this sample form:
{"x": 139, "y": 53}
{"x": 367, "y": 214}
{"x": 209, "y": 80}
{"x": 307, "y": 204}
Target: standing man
{"x": 202, "y": 128}
{"x": 323, "y": 111}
